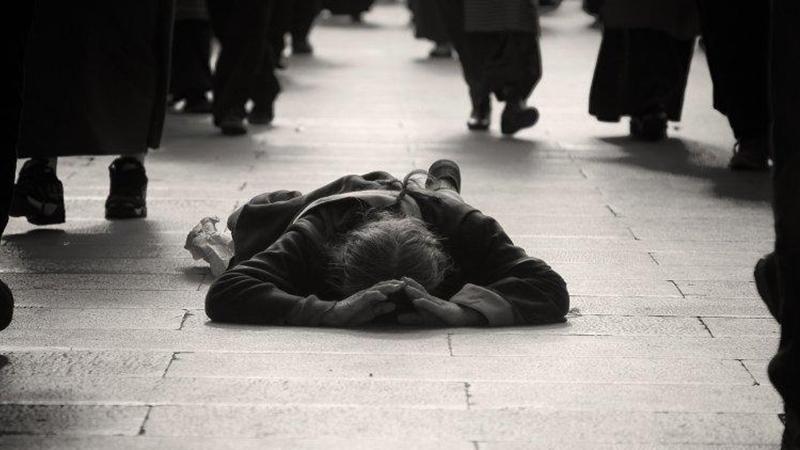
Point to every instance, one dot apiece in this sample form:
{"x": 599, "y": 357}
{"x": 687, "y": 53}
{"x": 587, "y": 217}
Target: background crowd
{"x": 97, "y": 78}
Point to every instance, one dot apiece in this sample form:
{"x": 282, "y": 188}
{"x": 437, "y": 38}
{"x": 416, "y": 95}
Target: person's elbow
{"x": 218, "y": 301}
{"x": 559, "y": 296}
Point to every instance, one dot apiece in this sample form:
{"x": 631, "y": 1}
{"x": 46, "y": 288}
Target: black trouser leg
{"x": 191, "y": 54}
{"x": 784, "y": 369}
{"x": 452, "y": 11}
{"x": 14, "y": 36}
{"x": 242, "y": 29}
{"x": 735, "y": 35}
{"x": 303, "y": 15}
{"x": 266, "y": 87}
{"x": 658, "y": 69}
{"x": 507, "y": 64}
{"x": 280, "y": 22}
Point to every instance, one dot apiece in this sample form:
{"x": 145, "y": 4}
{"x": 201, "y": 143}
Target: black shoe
{"x": 516, "y": 117}
{"x": 650, "y": 127}
{"x": 750, "y": 154}
{"x": 766, "y": 276}
{"x": 38, "y": 194}
{"x": 356, "y": 18}
{"x": 232, "y": 125}
{"x": 446, "y": 171}
{"x": 6, "y": 306}
{"x": 481, "y": 116}
{"x": 261, "y": 115}
{"x": 302, "y": 47}
{"x": 197, "y": 105}
{"x": 127, "y": 199}
{"x": 441, "y": 51}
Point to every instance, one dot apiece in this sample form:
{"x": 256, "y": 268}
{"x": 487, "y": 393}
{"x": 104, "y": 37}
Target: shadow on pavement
{"x": 689, "y": 158}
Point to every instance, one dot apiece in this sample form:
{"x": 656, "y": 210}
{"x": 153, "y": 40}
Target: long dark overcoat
{"x": 96, "y": 77}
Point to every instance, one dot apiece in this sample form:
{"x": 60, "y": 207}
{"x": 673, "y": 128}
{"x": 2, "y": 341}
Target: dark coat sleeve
{"x": 502, "y": 281}
{"x": 272, "y": 287}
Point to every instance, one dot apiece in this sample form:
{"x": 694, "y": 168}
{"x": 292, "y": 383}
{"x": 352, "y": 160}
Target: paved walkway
{"x": 666, "y": 344}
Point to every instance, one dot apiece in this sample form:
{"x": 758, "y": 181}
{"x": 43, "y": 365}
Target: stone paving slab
{"x": 234, "y": 391}
{"x": 105, "y": 265}
{"x": 139, "y": 282}
{"x": 639, "y": 446}
{"x": 205, "y": 443}
{"x": 629, "y": 397}
{"x": 522, "y": 343}
{"x": 695, "y": 259}
{"x": 742, "y": 326}
{"x": 72, "y": 420}
{"x": 511, "y": 424}
{"x": 583, "y": 325}
{"x": 232, "y": 339}
{"x": 627, "y": 288}
{"x": 67, "y": 249}
{"x": 44, "y": 298}
{"x": 98, "y": 319}
{"x": 109, "y": 363}
{"x": 469, "y": 369}
{"x": 671, "y": 306}
{"x": 717, "y": 288}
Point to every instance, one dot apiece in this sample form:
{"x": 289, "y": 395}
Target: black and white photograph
{"x": 400, "y": 224}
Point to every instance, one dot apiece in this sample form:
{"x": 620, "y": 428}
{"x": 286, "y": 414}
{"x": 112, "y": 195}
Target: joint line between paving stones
{"x": 744, "y": 366}
{"x": 678, "y": 288}
{"x": 630, "y": 230}
{"x": 169, "y": 364}
{"x": 475, "y": 445}
{"x": 703, "y": 322}
{"x": 186, "y": 314}
{"x": 144, "y": 422}
{"x": 613, "y": 213}
{"x": 653, "y": 257}
{"x": 468, "y": 395}
{"x": 450, "y": 343}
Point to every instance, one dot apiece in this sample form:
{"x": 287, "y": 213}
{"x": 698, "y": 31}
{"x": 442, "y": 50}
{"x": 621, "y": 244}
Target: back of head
{"x": 385, "y": 247}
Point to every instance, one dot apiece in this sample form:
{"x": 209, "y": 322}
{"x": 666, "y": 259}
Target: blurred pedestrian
{"x": 294, "y": 18}
{"x": 643, "y": 64}
{"x": 14, "y": 32}
{"x": 429, "y": 24}
{"x": 353, "y": 8}
{"x": 245, "y": 68}
{"x": 498, "y": 45}
{"x": 778, "y": 275}
{"x": 95, "y": 84}
{"x": 191, "y": 57}
{"x": 735, "y": 36}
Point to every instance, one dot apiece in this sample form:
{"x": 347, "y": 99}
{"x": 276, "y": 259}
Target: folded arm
{"x": 503, "y": 283}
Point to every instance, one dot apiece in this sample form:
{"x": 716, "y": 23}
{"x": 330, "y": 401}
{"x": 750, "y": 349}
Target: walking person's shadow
{"x": 688, "y": 158}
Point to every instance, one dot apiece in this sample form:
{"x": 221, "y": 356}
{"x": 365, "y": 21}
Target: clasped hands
{"x": 364, "y": 306}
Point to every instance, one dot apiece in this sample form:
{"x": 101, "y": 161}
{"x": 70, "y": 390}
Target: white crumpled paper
{"x": 209, "y": 244}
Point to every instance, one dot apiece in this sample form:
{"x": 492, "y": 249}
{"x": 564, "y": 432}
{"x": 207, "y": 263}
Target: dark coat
{"x": 96, "y": 77}
{"x": 428, "y": 21}
{"x": 278, "y": 273}
{"x": 481, "y": 16}
{"x": 347, "y": 6}
{"x": 677, "y": 17}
